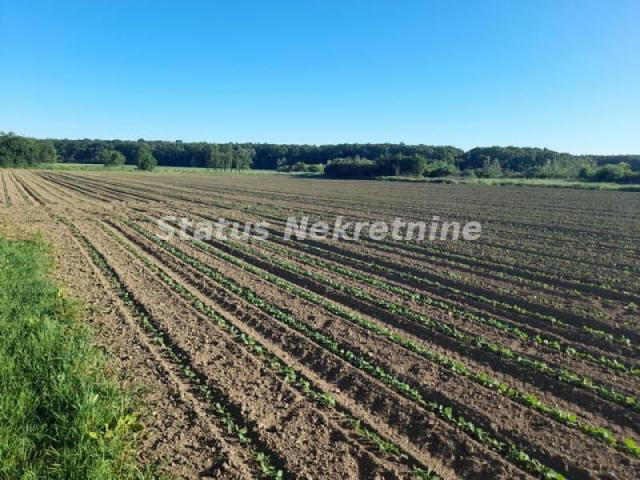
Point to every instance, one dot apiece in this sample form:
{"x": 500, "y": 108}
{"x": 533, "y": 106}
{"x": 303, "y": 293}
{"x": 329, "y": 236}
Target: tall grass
{"x": 520, "y": 182}
{"x": 61, "y": 415}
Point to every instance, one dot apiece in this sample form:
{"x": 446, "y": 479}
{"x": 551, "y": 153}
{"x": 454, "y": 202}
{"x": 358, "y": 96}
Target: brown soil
{"x": 306, "y": 439}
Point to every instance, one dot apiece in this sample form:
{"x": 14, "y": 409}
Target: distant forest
{"x": 340, "y": 160}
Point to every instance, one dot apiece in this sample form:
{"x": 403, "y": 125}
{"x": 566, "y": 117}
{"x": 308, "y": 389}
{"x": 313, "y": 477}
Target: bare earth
{"x": 514, "y": 356}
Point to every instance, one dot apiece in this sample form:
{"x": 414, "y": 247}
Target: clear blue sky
{"x": 554, "y": 73}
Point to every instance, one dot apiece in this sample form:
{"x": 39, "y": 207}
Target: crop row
{"x": 450, "y": 330}
{"x": 507, "y": 219}
{"x": 7, "y": 198}
{"x": 228, "y": 416}
{"x": 491, "y": 301}
{"x": 32, "y": 196}
{"x": 521, "y": 283}
{"x": 518, "y": 309}
{"x": 491, "y": 263}
{"x": 281, "y": 368}
{"x": 474, "y": 265}
{"x": 220, "y": 189}
{"x": 362, "y": 362}
{"x": 559, "y": 373}
{"x": 448, "y": 307}
{"x": 512, "y": 269}
{"x": 229, "y": 207}
{"x": 602, "y": 434}
{"x": 17, "y": 188}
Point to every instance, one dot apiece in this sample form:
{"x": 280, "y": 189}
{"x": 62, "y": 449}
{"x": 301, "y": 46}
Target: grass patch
{"x": 99, "y": 167}
{"x": 61, "y": 415}
{"x": 82, "y": 166}
{"x": 519, "y": 182}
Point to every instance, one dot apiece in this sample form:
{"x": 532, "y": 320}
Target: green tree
{"x": 47, "y": 152}
{"x": 619, "y": 172}
{"x": 17, "y": 151}
{"x": 212, "y": 157}
{"x": 440, "y": 169}
{"x": 111, "y": 158}
{"x": 243, "y": 158}
{"x": 491, "y": 168}
{"x": 227, "y": 158}
{"x": 144, "y": 158}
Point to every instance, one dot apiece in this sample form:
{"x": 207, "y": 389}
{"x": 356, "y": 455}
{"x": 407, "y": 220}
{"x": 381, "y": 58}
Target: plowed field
{"x": 513, "y": 356}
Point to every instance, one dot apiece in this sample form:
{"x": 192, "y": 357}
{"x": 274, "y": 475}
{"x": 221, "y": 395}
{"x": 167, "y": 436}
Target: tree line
{"x": 227, "y": 156}
{"x": 492, "y": 162}
{"x": 16, "y": 151}
{"x": 339, "y": 160}
{"x": 240, "y": 155}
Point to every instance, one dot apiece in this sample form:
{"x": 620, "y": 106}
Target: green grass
{"x": 554, "y": 183}
{"x": 520, "y": 182}
{"x": 61, "y": 415}
{"x": 81, "y": 166}
{"x": 93, "y": 167}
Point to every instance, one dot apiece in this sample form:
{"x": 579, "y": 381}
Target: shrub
{"x": 144, "y": 158}
{"x": 316, "y": 168}
{"x": 111, "y": 158}
{"x": 352, "y": 167}
{"x": 301, "y": 167}
{"x": 401, "y": 165}
{"x": 618, "y": 172}
{"x": 440, "y": 169}
{"x": 490, "y": 169}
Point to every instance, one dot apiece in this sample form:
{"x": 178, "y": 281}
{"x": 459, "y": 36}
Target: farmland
{"x": 513, "y": 356}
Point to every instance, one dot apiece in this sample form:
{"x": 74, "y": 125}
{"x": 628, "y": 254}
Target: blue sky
{"x": 564, "y": 74}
